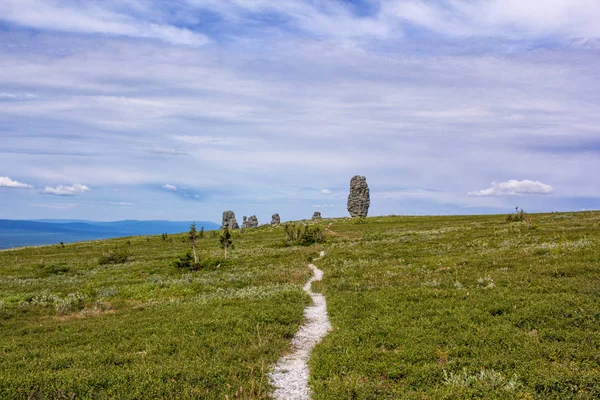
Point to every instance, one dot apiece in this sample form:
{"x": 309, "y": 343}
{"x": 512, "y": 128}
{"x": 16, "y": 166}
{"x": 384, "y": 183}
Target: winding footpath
{"x": 290, "y": 374}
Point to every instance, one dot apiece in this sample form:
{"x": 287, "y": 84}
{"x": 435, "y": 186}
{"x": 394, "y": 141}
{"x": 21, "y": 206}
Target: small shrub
{"x": 116, "y": 256}
{"x": 521, "y": 216}
{"x": 304, "y": 235}
{"x": 312, "y": 234}
{"x": 292, "y": 232}
{"x": 518, "y": 216}
{"x": 185, "y": 261}
{"x": 53, "y": 269}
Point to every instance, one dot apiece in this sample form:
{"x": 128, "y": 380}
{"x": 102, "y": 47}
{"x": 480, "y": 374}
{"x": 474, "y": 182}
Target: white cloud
{"x": 432, "y": 115}
{"x": 325, "y": 191}
{"x": 323, "y": 205}
{"x": 516, "y": 19}
{"x": 6, "y": 182}
{"x": 121, "y": 203}
{"x": 170, "y": 187}
{"x": 62, "y": 190}
{"x": 166, "y": 151}
{"x": 93, "y": 17}
{"x": 514, "y": 188}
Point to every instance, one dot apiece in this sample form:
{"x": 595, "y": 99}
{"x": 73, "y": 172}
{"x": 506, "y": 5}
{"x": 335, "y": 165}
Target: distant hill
{"x": 17, "y": 233}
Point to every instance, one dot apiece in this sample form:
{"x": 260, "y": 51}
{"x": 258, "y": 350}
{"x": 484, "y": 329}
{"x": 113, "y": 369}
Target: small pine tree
{"x": 201, "y": 235}
{"x": 192, "y": 238}
{"x": 225, "y": 240}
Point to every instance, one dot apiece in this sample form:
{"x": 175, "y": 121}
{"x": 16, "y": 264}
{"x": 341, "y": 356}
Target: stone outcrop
{"x": 252, "y": 222}
{"x": 317, "y": 216}
{"x": 358, "y": 198}
{"x": 229, "y": 220}
{"x": 275, "y": 219}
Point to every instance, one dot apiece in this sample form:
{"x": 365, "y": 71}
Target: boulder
{"x": 275, "y": 219}
{"x": 358, "y": 198}
{"x": 229, "y": 220}
{"x": 317, "y": 216}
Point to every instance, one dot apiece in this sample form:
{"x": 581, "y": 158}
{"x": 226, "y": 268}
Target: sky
{"x": 182, "y": 109}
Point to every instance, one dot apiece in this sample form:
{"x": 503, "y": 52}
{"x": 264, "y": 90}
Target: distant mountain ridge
{"x": 20, "y": 233}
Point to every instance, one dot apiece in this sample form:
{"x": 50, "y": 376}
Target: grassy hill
{"x": 421, "y": 308}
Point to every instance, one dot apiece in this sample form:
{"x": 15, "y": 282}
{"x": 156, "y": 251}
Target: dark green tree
{"x": 225, "y": 240}
{"x": 192, "y": 238}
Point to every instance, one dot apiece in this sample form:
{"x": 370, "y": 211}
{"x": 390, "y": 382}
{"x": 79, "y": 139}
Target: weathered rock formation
{"x": 229, "y": 220}
{"x": 275, "y": 219}
{"x": 252, "y": 222}
{"x": 358, "y": 199}
{"x": 317, "y": 216}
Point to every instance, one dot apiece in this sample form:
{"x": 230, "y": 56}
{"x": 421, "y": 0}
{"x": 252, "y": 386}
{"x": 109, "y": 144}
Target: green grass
{"x": 462, "y": 307}
{"x": 71, "y": 328}
{"x": 421, "y": 308}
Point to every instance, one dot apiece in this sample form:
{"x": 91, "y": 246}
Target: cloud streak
{"x": 93, "y": 18}
{"x": 514, "y": 188}
{"x": 507, "y": 18}
{"x": 166, "y": 151}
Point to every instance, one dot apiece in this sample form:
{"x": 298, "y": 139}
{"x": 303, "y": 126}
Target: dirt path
{"x": 290, "y": 375}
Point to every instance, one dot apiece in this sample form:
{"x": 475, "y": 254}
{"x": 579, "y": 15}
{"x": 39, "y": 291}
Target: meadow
{"x": 461, "y": 308}
{"x": 421, "y": 308}
{"x": 71, "y": 328}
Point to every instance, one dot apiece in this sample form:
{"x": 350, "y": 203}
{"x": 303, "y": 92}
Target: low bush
{"x": 53, "y": 269}
{"x": 186, "y": 261}
{"x": 304, "y": 235}
{"x": 116, "y": 256}
{"x": 292, "y": 232}
{"x": 312, "y": 234}
{"x": 518, "y": 216}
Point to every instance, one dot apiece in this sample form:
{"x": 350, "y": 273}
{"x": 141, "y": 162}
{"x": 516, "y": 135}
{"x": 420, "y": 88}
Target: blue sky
{"x": 180, "y": 110}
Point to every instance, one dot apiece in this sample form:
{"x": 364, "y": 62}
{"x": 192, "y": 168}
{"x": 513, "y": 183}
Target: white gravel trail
{"x": 290, "y": 374}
